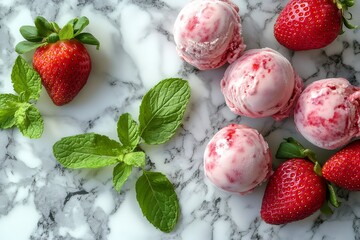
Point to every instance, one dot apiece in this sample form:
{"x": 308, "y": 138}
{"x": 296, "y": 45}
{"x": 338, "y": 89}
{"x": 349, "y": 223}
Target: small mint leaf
{"x": 88, "y": 38}
{"x": 80, "y": 24}
{"x": 128, "y": 131}
{"x": 158, "y": 201}
{"x": 30, "y": 33}
{"x": 8, "y": 107}
{"x": 136, "y": 159}
{"x": 67, "y": 32}
{"x": 162, "y": 110}
{"x": 120, "y": 174}
{"x": 29, "y": 121}
{"x": 26, "y": 81}
{"x": 25, "y": 46}
{"x": 88, "y": 150}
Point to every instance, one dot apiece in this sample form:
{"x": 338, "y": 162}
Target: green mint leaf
{"x": 25, "y": 46}
{"x": 162, "y": 110}
{"x": 29, "y": 120}
{"x": 30, "y": 33}
{"x": 136, "y": 159}
{"x": 88, "y": 150}
{"x": 43, "y": 26}
{"x": 67, "y": 32}
{"x": 158, "y": 201}
{"x": 120, "y": 174}
{"x": 128, "y": 131}
{"x": 88, "y": 38}
{"x": 80, "y": 24}
{"x": 8, "y": 107}
{"x": 26, "y": 80}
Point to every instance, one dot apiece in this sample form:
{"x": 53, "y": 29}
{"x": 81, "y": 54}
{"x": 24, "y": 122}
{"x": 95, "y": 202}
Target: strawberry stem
{"x": 49, "y": 32}
{"x": 332, "y": 196}
{"x": 343, "y": 6}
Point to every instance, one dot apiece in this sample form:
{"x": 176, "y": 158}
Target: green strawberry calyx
{"x": 290, "y": 148}
{"x": 45, "y": 32}
{"x": 343, "y": 6}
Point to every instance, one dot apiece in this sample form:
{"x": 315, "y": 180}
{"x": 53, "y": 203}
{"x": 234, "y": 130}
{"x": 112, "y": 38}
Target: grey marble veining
{"x": 39, "y": 199}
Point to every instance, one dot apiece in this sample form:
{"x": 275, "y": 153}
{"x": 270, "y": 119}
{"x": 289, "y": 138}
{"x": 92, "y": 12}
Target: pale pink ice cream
{"x": 327, "y": 113}
{"x": 261, "y": 83}
{"x": 207, "y": 33}
{"x": 237, "y": 159}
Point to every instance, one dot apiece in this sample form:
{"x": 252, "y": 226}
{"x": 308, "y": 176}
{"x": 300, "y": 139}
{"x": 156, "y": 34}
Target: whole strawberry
{"x": 60, "y": 58}
{"x": 293, "y": 192}
{"x": 311, "y": 24}
{"x": 343, "y": 168}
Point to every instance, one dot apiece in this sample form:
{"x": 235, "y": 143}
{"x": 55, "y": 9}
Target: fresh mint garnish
{"x": 19, "y": 110}
{"x": 128, "y": 131}
{"x": 88, "y": 150}
{"x": 25, "y": 80}
{"x": 29, "y": 120}
{"x": 161, "y": 112}
{"x": 136, "y": 159}
{"x": 8, "y": 107}
{"x": 157, "y": 199}
{"x": 120, "y": 174}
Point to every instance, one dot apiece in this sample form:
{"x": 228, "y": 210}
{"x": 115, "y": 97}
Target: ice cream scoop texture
{"x": 261, "y": 83}
{"x": 237, "y": 159}
{"x": 327, "y": 113}
{"x": 207, "y": 33}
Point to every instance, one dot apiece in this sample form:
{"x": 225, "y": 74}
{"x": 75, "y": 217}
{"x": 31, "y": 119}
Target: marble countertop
{"x": 39, "y": 199}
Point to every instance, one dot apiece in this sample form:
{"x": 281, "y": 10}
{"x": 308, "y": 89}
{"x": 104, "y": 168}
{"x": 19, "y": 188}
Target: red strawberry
{"x": 64, "y": 68}
{"x": 343, "y": 168}
{"x": 293, "y": 192}
{"x": 311, "y": 24}
{"x": 60, "y": 58}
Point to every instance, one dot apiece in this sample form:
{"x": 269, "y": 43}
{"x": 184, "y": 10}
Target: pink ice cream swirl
{"x": 328, "y": 113}
{"x": 237, "y": 159}
{"x": 261, "y": 83}
{"x": 207, "y": 33}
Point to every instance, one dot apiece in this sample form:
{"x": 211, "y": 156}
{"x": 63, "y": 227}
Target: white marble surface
{"x": 39, "y": 199}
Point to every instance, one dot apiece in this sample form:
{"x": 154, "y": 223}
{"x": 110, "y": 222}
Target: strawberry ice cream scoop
{"x": 327, "y": 113}
{"x": 237, "y": 159}
{"x": 261, "y": 83}
{"x": 207, "y": 33}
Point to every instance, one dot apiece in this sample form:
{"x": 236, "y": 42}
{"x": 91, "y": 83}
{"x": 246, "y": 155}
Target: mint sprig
{"x": 161, "y": 112}
{"x": 19, "y": 109}
{"x": 290, "y": 148}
